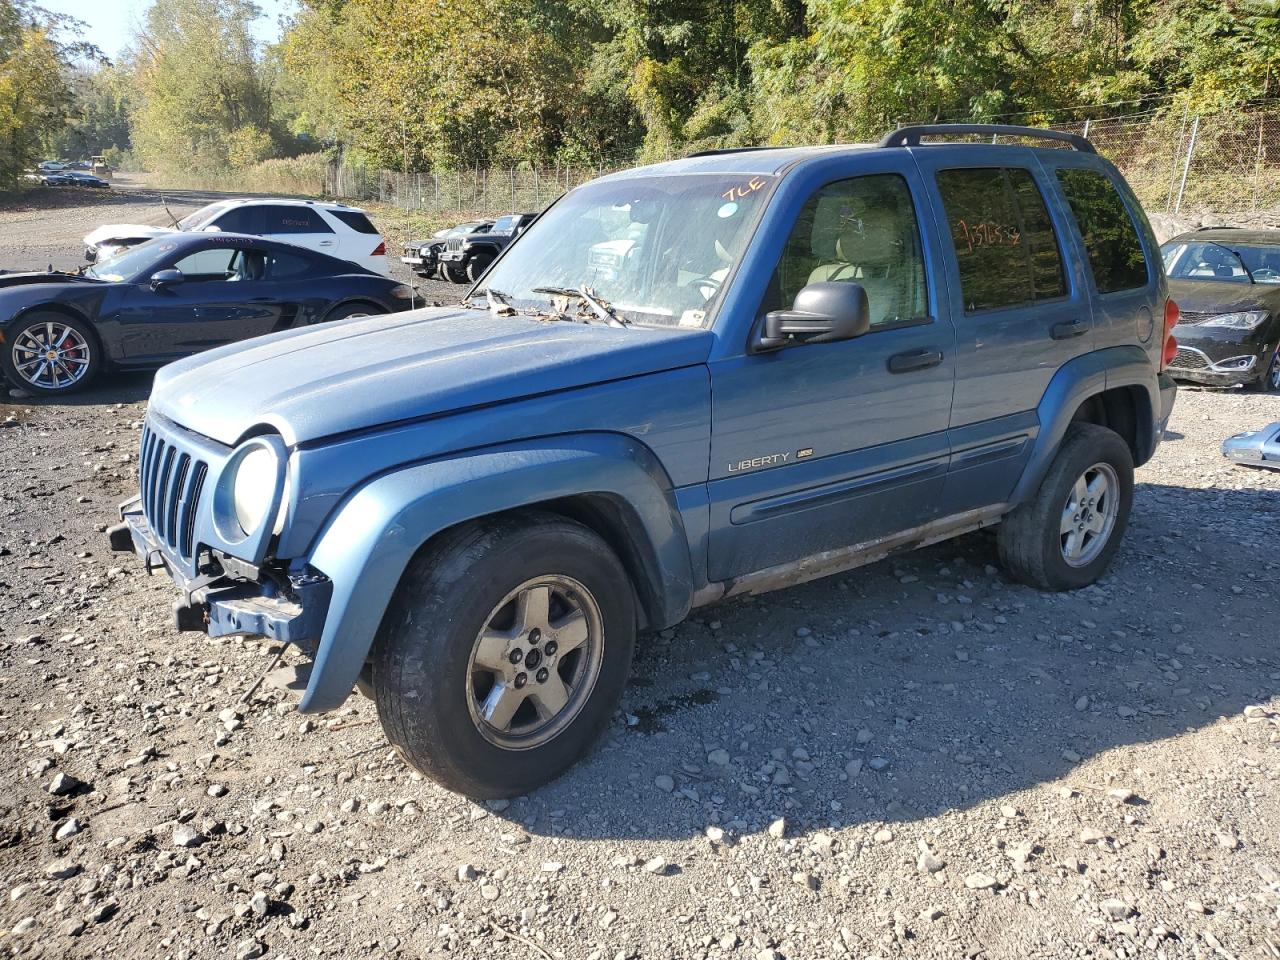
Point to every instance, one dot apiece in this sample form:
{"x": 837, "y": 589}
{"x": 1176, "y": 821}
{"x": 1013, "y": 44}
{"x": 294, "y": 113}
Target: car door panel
{"x": 824, "y": 446}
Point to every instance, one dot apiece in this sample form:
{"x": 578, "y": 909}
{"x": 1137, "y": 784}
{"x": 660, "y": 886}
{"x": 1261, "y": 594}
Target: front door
{"x": 224, "y": 296}
{"x": 824, "y": 446}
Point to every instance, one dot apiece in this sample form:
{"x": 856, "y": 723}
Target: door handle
{"x": 326, "y": 243}
{"x": 914, "y": 360}
{"x": 1069, "y": 329}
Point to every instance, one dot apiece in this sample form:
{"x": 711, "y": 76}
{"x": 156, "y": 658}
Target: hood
{"x": 325, "y": 380}
{"x": 1223, "y": 296}
{"x": 123, "y": 231}
{"x": 44, "y": 279}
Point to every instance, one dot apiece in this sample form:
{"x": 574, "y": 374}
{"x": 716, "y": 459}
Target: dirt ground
{"x": 917, "y": 759}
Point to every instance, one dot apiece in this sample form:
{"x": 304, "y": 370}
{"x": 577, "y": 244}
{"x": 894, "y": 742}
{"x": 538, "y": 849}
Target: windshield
{"x": 194, "y": 221}
{"x": 1217, "y": 260}
{"x": 130, "y": 262}
{"x": 658, "y": 249}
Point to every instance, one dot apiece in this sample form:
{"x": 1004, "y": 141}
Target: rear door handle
{"x": 914, "y": 360}
{"x": 326, "y": 243}
{"x": 1069, "y": 329}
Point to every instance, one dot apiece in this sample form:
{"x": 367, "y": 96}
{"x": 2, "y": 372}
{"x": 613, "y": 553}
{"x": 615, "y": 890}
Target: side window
{"x": 207, "y": 264}
{"x": 1115, "y": 252}
{"x": 287, "y": 266}
{"x": 240, "y": 220}
{"x": 862, "y": 230}
{"x": 1003, "y": 237}
{"x": 299, "y": 219}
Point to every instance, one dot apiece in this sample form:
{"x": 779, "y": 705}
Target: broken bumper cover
{"x": 291, "y": 611}
{"x": 1257, "y": 448}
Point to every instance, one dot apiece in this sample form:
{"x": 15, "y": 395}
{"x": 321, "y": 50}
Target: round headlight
{"x": 254, "y": 488}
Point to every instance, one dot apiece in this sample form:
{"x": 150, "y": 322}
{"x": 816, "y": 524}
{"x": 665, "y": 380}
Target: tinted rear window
{"x": 1004, "y": 240}
{"x": 290, "y": 219}
{"x": 1115, "y": 253}
{"x": 356, "y": 220}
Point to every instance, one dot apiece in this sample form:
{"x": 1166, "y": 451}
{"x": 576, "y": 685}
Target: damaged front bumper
{"x": 230, "y": 597}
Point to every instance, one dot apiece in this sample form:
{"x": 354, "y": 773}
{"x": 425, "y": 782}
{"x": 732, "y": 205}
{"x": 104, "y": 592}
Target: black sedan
{"x": 170, "y": 297}
{"x": 1226, "y": 282}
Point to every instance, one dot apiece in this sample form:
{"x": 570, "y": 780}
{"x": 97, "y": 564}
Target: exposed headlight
{"x": 254, "y": 488}
{"x": 1245, "y": 320}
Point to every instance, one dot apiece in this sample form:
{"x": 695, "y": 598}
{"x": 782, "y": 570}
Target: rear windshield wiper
{"x": 598, "y": 306}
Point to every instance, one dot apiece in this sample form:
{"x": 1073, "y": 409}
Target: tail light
{"x": 381, "y": 251}
{"x": 1170, "y": 344}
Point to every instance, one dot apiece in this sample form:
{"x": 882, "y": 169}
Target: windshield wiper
{"x": 1236, "y": 254}
{"x": 495, "y": 299}
{"x": 598, "y": 306}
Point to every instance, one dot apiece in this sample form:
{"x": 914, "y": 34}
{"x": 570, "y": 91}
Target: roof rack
{"x": 1225, "y": 226}
{"x": 910, "y": 136}
{"x": 723, "y": 150}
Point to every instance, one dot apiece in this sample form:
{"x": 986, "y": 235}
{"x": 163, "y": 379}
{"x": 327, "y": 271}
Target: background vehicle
{"x": 171, "y": 297}
{"x": 332, "y": 228}
{"x": 98, "y": 166}
{"x": 423, "y": 256}
{"x": 1226, "y": 282}
{"x": 1255, "y": 448}
{"x": 78, "y": 178}
{"x": 464, "y": 258}
{"x": 52, "y": 166}
{"x": 904, "y": 343}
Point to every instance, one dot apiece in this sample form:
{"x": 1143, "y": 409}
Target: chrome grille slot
{"x": 171, "y": 481}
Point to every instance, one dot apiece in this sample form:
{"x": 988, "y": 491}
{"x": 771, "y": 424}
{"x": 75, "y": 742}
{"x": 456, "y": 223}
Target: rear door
{"x": 829, "y": 445}
{"x": 301, "y": 225}
{"x": 1021, "y": 304}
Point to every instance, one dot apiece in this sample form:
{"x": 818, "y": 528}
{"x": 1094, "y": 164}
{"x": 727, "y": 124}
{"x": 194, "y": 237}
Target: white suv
{"x": 332, "y": 228}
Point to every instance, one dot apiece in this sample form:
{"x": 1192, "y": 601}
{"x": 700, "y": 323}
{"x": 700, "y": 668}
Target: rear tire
{"x": 50, "y": 354}
{"x": 1065, "y": 537}
{"x": 467, "y": 690}
{"x": 1269, "y": 381}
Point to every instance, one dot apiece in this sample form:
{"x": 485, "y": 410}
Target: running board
{"x": 849, "y": 558}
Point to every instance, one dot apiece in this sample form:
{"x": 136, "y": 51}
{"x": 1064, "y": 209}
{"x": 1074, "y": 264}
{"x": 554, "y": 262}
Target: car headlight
{"x": 402, "y": 291}
{"x": 1244, "y": 320}
{"x": 253, "y": 489}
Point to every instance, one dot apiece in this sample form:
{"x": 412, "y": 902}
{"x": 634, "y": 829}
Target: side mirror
{"x": 165, "y": 278}
{"x": 823, "y": 312}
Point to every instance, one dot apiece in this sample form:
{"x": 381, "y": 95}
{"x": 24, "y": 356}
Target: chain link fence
{"x": 1183, "y": 164}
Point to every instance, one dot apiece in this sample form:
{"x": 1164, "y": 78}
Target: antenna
{"x": 165, "y": 203}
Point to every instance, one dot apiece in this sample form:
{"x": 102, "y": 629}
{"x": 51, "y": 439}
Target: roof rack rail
{"x": 1225, "y": 226}
{"x": 910, "y": 136}
{"x": 723, "y": 150}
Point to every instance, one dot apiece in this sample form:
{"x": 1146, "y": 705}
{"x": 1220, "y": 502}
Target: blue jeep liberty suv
{"x": 711, "y": 377}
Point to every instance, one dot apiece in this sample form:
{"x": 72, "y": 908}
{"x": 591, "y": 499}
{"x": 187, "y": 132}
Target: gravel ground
{"x": 917, "y": 759}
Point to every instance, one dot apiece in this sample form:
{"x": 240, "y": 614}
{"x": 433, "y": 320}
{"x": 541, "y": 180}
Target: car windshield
{"x": 194, "y": 221}
{"x": 658, "y": 249}
{"x": 131, "y": 262}
{"x": 1218, "y": 260}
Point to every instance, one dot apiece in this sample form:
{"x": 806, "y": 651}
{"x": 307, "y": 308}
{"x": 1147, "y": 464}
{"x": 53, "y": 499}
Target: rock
{"x": 718, "y": 758}
{"x": 68, "y": 829}
{"x": 466, "y": 872}
{"x": 489, "y": 891}
{"x": 863, "y": 736}
{"x": 62, "y": 869}
{"x": 878, "y": 763}
{"x": 63, "y": 784}
{"x": 778, "y": 829}
{"x": 250, "y": 950}
{"x": 1082, "y": 704}
{"x": 768, "y": 953}
{"x": 883, "y": 835}
{"x": 930, "y": 862}
{"x": 259, "y": 904}
{"x": 715, "y": 834}
{"x": 552, "y": 866}
{"x": 932, "y": 913}
{"x": 1126, "y": 712}
{"x": 981, "y": 881}
{"x": 656, "y": 866}
{"x": 1195, "y": 906}
{"x": 230, "y": 719}
{"x": 1122, "y": 794}
{"x": 25, "y": 925}
{"x": 853, "y": 767}
{"x": 608, "y": 920}
{"x": 1092, "y": 835}
{"x": 805, "y": 879}
{"x": 664, "y": 783}
{"x": 1115, "y": 909}
{"x": 185, "y": 835}
{"x": 1228, "y": 841}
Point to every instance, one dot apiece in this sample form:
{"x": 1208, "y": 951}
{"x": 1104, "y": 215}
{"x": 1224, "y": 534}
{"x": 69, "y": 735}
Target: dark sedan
{"x": 1226, "y": 282}
{"x": 170, "y": 297}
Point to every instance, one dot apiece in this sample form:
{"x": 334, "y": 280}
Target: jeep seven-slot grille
{"x": 1189, "y": 360}
{"x": 454, "y": 244}
{"x": 170, "y": 481}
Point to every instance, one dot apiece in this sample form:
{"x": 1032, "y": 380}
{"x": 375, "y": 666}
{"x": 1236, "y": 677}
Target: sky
{"x": 111, "y": 22}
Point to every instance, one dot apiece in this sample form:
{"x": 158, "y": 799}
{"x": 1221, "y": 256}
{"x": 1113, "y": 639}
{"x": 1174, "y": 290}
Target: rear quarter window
{"x": 299, "y": 219}
{"x": 356, "y": 220}
{"x": 1005, "y": 244}
{"x": 1116, "y": 256}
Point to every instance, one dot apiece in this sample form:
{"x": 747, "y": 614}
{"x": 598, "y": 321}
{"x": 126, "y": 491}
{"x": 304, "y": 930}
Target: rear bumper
{"x": 290, "y": 608}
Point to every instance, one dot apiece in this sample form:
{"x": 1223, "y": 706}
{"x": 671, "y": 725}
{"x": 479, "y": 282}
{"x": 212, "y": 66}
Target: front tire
{"x": 50, "y": 354}
{"x": 476, "y": 267}
{"x": 504, "y": 653}
{"x": 453, "y": 273}
{"x": 1065, "y": 537}
{"x": 1269, "y": 381}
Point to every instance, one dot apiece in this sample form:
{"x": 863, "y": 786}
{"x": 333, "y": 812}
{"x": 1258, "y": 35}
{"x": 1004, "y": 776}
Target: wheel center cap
{"x": 532, "y": 659}
{"x": 51, "y": 355}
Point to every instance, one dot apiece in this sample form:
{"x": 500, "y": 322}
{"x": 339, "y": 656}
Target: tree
{"x": 205, "y": 99}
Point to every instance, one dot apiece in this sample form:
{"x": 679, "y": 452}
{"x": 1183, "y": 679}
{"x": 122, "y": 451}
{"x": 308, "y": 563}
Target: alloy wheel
{"x": 51, "y": 355}
{"x": 1089, "y": 516}
{"x": 535, "y": 662}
